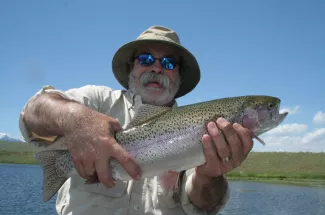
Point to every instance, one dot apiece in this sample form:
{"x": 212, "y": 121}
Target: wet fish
{"x": 166, "y": 138}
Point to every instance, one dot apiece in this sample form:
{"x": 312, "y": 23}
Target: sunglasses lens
{"x": 168, "y": 63}
{"x": 146, "y": 59}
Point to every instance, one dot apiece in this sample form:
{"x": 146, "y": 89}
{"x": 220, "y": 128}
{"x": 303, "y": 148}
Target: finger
{"x": 115, "y": 125}
{"x": 126, "y": 160}
{"x": 219, "y": 141}
{"x": 209, "y": 150}
{"x": 78, "y": 165}
{"x": 89, "y": 167}
{"x": 246, "y": 138}
{"x": 212, "y": 165}
{"x": 87, "y": 161}
{"x": 76, "y": 160}
{"x": 234, "y": 143}
{"x": 103, "y": 172}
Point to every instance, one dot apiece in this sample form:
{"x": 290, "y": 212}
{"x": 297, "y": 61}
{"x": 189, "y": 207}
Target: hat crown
{"x": 160, "y": 33}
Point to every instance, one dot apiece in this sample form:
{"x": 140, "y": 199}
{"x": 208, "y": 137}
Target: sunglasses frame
{"x": 175, "y": 62}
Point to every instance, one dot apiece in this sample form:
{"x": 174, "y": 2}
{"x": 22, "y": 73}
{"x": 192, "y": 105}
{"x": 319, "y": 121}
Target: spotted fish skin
{"x": 173, "y": 141}
{"x": 165, "y": 138}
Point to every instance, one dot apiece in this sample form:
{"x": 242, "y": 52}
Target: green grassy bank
{"x": 279, "y": 167}
{"x": 18, "y": 153}
{"x": 283, "y": 167}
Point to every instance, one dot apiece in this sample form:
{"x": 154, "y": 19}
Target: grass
{"x": 17, "y": 157}
{"x": 17, "y": 153}
{"x": 282, "y": 167}
{"x": 16, "y": 147}
{"x": 275, "y": 167}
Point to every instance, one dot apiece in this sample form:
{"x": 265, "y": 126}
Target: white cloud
{"x": 317, "y": 136}
{"x": 293, "y": 110}
{"x": 284, "y": 141}
{"x": 4, "y": 135}
{"x": 319, "y": 118}
{"x": 294, "y": 137}
{"x": 289, "y": 129}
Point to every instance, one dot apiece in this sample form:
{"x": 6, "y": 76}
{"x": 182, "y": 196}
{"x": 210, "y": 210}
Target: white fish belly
{"x": 177, "y": 151}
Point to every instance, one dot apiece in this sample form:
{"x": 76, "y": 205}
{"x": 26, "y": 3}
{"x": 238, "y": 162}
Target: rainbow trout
{"x": 166, "y": 138}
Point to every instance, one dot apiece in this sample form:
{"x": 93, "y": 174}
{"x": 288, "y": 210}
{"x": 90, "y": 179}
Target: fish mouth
{"x": 276, "y": 118}
{"x": 261, "y": 118}
{"x": 282, "y": 116}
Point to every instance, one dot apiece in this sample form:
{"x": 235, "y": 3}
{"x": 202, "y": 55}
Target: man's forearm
{"x": 51, "y": 115}
{"x": 208, "y": 193}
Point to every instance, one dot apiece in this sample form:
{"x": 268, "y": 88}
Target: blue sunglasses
{"x": 168, "y": 63}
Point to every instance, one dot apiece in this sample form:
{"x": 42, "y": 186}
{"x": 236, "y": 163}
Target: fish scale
{"x": 168, "y": 138}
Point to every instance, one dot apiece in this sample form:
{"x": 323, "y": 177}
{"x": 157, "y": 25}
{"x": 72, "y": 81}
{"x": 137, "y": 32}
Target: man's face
{"x": 154, "y": 83}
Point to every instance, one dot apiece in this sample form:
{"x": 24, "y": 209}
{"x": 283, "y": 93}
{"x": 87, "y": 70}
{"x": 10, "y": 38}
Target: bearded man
{"x": 154, "y": 69}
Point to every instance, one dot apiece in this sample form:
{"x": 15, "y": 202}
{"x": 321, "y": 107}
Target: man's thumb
{"x": 116, "y": 125}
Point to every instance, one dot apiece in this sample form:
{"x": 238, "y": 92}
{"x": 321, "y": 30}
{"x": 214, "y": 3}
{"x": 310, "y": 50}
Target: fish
{"x": 165, "y": 139}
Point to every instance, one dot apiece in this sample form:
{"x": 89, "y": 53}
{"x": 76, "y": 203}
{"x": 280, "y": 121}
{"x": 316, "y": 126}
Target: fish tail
{"x": 52, "y": 181}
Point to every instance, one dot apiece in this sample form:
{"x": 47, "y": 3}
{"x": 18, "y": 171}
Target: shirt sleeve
{"x": 91, "y": 96}
{"x": 188, "y": 207}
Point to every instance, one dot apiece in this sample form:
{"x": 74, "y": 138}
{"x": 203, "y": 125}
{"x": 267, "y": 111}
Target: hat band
{"x": 156, "y": 37}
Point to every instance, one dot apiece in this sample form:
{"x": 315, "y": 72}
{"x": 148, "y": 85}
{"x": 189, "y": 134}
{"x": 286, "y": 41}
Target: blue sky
{"x": 243, "y": 47}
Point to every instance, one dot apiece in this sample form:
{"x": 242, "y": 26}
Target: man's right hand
{"x": 89, "y": 136}
{"x": 92, "y": 145}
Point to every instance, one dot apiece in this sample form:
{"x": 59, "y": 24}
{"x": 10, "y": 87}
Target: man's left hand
{"x": 232, "y": 143}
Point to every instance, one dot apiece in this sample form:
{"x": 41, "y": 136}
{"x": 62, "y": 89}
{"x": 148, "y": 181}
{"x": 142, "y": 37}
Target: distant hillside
{"x": 16, "y": 147}
{"x": 282, "y": 165}
{"x": 6, "y": 137}
{"x": 16, "y": 152}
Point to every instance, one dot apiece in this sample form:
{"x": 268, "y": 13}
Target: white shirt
{"x": 127, "y": 197}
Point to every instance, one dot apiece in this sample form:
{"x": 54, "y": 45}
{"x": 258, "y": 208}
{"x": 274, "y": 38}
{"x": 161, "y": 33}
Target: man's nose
{"x": 157, "y": 67}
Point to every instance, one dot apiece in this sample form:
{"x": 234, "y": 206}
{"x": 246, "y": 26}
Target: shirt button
{"x": 136, "y": 207}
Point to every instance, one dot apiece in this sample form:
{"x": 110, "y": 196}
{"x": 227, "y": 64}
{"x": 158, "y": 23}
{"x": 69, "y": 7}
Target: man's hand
{"x": 92, "y": 145}
{"x": 225, "y": 146}
{"x": 89, "y": 135}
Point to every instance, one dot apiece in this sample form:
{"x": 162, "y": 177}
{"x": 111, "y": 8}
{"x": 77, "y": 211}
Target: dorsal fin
{"x": 145, "y": 113}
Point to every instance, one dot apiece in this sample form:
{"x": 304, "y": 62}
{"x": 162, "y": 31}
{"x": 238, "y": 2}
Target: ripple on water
{"x": 274, "y": 199}
{"x": 21, "y": 192}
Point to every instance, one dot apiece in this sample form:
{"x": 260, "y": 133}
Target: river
{"x": 20, "y": 188}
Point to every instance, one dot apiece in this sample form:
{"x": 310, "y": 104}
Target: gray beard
{"x": 168, "y": 91}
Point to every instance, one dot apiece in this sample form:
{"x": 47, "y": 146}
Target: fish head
{"x": 261, "y": 114}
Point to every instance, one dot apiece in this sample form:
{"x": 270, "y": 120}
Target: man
{"x": 155, "y": 69}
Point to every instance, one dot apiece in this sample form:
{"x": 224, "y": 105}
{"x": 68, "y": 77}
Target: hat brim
{"x": 190, "y": 71}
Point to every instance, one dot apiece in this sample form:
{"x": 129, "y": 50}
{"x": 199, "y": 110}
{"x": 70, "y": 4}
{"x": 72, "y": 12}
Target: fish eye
{"x": 271, "y": 105}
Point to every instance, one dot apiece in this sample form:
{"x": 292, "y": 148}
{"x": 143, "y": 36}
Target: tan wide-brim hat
{"x": 190, "y": 71}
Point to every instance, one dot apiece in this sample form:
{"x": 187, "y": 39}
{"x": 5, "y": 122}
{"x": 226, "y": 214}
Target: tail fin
{"x": 52, "y": 179}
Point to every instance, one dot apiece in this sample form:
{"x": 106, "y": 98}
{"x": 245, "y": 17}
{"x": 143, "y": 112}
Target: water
{"x": 274, "y": 199}
{"x": 20, "y": 188}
